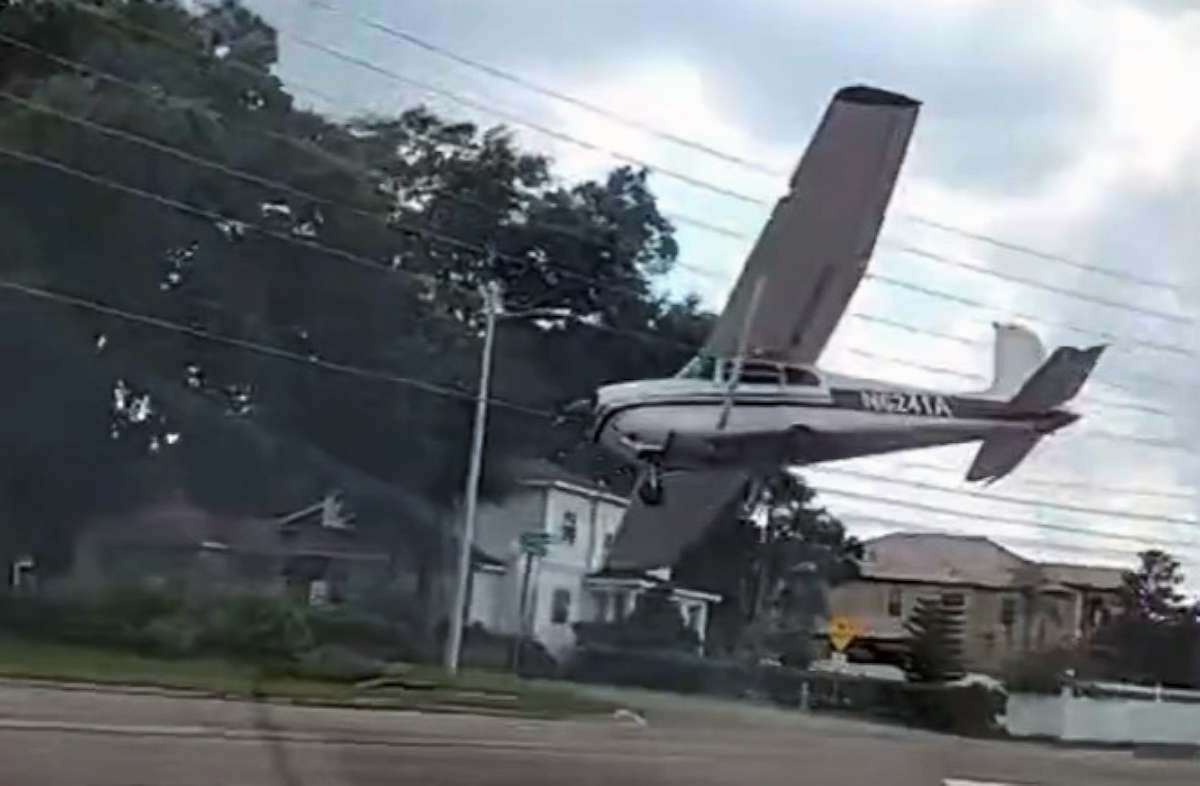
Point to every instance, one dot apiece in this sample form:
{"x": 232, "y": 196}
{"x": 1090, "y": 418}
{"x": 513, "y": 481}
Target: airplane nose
{"x": 577, "y": 409}
{"x": 581, "y": 406}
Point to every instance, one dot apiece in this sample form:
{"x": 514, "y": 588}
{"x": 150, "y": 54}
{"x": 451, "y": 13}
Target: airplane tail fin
{"x": 1052, "y": 384}
{"x": 1056, "y": 381}
{"x": 1018, "y": 353}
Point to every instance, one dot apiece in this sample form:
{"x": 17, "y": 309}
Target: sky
{"x": 1069, "y": 128}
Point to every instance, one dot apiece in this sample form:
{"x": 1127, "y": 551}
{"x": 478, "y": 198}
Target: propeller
{"x": 577, "y": 410}
{"x": 740, "y": 357}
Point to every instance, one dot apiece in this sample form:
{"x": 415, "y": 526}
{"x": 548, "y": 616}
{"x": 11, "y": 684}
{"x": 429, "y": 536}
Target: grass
{"x": 405, "y": 686}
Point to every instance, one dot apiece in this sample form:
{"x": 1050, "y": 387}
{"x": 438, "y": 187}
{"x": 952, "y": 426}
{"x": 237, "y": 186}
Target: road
{"x": 50, "y": 736}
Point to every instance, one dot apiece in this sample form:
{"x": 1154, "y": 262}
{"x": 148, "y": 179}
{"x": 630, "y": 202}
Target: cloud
{"x": 995, "y": 120}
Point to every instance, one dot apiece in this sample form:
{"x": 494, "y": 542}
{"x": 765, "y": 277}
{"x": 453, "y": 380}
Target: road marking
{"x": 966, "y": 782}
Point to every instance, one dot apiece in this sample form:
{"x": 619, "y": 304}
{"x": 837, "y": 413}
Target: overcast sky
{"x": 1068, "y": 127}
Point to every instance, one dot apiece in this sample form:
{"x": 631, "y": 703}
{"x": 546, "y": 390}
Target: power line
{"x": 1004, "y": 498}
{"x": 449, "y": 239}
{"x": 549, "y": 92}
{"x": 960, "y": 299}
{"x": 164, "y": 324}
{"x": 942, "y": 259}
{"x": 519, "y": 120}
{"x": 903, "y": 526}
{"x": 349, "y": 256}
{"x": 1044, "y": 255}
{"x": 446, "y": 238}
{"x": 893, "y": 282}
{"x": 1020, "y": 522}
{"x": 1068, "y": 484}
{"x": 257, "y": 347}
{"x": 749, "y": 164}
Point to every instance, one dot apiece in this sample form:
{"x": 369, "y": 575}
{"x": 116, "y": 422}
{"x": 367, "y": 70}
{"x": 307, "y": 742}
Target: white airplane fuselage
{"x": 843, "y": 417}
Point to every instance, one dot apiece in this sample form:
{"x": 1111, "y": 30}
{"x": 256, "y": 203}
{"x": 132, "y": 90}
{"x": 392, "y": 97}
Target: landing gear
{"x": 650, "y": 489}
{"x": 649, "y": 455}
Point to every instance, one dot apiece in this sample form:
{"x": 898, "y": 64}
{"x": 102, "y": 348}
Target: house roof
{"x": 645, "y": 579}
{"x": 541, "y": 471}
{"x": 972, "y": 560}
{"x": 1091, "y": 576}
{"x": 942, "y": 559}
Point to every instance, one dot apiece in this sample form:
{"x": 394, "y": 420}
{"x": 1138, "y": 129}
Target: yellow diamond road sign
{"x": 842, "y": 631}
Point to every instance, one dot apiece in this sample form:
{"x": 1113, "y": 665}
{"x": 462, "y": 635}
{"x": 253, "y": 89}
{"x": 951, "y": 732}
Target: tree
{"x": 1156, "y": 638}
{"x": 935, "y": 644}
{"x": 357, "y": 242}
{"x": 1151, "y": 593}
{"x": 771, "y": 557}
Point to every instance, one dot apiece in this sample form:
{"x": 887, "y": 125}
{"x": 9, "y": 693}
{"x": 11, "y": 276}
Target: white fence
{"x": 1111, "y": 715}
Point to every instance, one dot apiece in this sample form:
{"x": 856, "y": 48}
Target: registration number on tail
{"x": 897, "y": 403}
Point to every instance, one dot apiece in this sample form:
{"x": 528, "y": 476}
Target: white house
{"x": 568, "y": 584}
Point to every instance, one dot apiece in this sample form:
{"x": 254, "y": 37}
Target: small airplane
{"x": 752, "y": 401}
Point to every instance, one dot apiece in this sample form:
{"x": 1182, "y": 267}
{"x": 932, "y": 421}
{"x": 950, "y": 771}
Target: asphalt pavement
{"x": 102, "y": 738}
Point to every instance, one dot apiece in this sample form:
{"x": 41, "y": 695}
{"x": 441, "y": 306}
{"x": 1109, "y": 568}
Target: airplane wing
{"x": 654, "y": 537}
{"x": 816, "y": 244}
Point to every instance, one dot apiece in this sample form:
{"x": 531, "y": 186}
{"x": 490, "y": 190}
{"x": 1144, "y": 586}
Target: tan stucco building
{"x": 1013, "y": 605}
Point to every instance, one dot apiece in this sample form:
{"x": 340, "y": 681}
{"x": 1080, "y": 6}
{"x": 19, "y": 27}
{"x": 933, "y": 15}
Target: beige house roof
{"x": 942, "y": 559}
{"x": 971, "y": 560}
{"x": 1093, "y": 576}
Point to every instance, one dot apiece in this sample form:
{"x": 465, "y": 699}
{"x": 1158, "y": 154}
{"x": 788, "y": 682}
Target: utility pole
{"x": 491, "y": 304}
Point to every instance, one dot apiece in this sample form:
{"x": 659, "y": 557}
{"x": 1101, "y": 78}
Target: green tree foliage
{"x": 359, "y": 242}
{"x": 772, "y": 558}
{"x": 1156, "y": 637}
{"x": 935, "y": 645}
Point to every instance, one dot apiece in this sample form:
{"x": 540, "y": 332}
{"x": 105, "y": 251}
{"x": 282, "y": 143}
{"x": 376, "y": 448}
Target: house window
{"x": 693, "y": 618}
{"x": 570, "y": 528}
{"x": 560, "y": 607}
{"x": 895, "y": 602}
{"x": 602, "y": 601}
{"x": 609, "y": 537}
{"x": 620, "y": 603}
{"x": 1008, "y": 612}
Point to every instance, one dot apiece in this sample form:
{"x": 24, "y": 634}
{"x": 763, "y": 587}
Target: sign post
{"x": 842, "y": 631}
{"x": 534, "y": 545}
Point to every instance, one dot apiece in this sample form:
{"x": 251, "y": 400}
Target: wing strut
{"x": 739, "y": 360}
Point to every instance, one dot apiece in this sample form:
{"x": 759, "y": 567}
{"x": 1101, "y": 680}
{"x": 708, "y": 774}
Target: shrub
{"x": 366, "y": 633}
{"x": 1047, "y": 673}
{"x": 667, "y": 670}
{"x": 334, "y": 662}
{"x": 174, "y": 636}
{"x": 967, "y": 709}
{"x": 935, "y": 641}
{"x": 256, "y": 627}
{"x": 483, "y": 649}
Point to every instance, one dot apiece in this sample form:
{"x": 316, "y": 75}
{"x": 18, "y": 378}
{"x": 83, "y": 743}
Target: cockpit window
{"x": 699, "y": 367}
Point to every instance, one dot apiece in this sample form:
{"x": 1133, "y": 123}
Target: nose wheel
{"x": 650, "y": 489}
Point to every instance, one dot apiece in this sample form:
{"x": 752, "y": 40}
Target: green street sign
{"x": 536, "y": 544}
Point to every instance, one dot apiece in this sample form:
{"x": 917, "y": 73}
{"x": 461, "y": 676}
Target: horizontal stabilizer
{"x": 1057, "y": 381}
{"x": 1000, "y": 455}
{"x": 654, "y": 536}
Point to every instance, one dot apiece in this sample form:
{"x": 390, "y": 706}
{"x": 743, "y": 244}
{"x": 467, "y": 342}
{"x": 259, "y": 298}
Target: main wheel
{"x": 650, "y": 490}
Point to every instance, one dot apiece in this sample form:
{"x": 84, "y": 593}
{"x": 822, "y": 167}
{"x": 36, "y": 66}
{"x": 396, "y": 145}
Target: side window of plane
{"x": 802, "y": 377}
{"x": 757, "y": 373}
